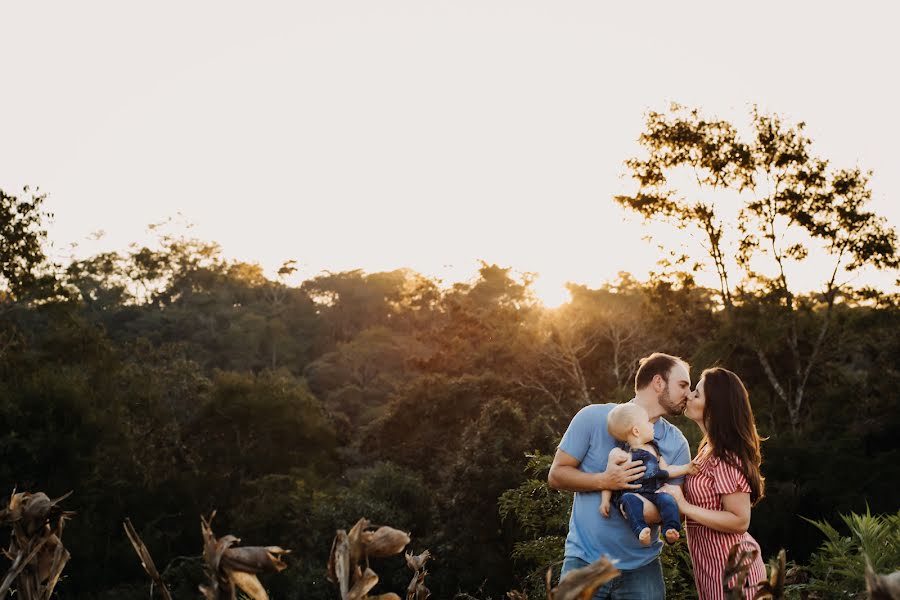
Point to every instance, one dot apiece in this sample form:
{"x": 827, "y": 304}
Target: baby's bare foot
{"x": 672, "y": 536}
{"x": 644, "y": 536}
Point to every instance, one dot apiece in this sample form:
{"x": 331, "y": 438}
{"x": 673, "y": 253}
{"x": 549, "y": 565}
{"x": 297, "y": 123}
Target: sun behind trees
{"x": 164, "y": 381}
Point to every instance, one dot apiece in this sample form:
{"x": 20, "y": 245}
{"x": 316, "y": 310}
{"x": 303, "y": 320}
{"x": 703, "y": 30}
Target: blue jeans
{"x": 634, "y": 511}
{"x": 643, "y": 583}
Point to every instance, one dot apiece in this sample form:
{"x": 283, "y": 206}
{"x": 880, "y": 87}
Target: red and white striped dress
{"x": 709, "y": 548}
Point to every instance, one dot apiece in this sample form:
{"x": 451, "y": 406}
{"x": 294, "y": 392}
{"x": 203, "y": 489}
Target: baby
{"x": 629, "y": 423}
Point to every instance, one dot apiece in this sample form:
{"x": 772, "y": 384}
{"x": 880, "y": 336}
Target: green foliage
{"x": 165, "y": 381}
{"x": 534, "y": 505}
{"x": 542, "y": 517}
{"x": 758, "y": 202}
{"x": 22, "y": 237}
{"x": 837, "y": 569}
{"x": 678, "y": 571}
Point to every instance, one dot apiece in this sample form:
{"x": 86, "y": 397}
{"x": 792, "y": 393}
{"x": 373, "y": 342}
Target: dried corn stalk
{"x": 882, "y": 587}
{"x": 773, "y": 589}
{"x": 580, "y": 584}
{"x": 35, "y": 546}
{"x": 230, "y": 567}
{"x": 417, "y": 589}
{"x": 737, "y": 567}
{"x": 348, "y": 549}
{"x": 146, "y": 560}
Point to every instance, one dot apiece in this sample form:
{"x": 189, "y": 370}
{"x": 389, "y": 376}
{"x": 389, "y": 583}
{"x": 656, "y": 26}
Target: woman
{"x": 716, "y": 501}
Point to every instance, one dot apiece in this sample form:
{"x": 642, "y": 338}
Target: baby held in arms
{"x": 629, "y": 424}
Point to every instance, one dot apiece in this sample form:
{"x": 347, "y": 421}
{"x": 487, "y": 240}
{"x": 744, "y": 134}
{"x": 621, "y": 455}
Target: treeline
{"x": 162, "y": 383}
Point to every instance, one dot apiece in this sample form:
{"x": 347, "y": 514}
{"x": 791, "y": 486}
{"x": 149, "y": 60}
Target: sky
{"x": 415, "y": 133}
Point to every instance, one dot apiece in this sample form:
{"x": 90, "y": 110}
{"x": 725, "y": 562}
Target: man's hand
{"x": 621, "y": 471}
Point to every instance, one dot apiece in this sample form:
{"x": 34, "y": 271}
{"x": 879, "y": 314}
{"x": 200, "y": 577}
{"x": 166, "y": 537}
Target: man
{"x": 662, "y": 384}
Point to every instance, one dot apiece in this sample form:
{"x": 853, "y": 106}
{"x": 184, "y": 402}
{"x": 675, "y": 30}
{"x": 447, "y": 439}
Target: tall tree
{"x": 764, "y": 201}
{"x": 22, "y": 237}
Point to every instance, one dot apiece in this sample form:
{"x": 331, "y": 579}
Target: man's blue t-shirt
{"x": 591, "y": 535}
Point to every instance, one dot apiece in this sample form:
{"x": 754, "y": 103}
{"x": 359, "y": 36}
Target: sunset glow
{"x": 374, "y": 138}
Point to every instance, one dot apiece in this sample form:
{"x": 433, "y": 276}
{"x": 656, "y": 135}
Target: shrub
{"x": 837, "y": 569}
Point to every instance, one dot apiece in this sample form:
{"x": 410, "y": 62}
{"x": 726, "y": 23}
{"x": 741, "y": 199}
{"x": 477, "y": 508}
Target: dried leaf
{"x": 254, "y": 559}
{"x": 386, "y": 541}
{"x": 580, "y": 584}
{"x": 19, "y": 565}
{"x": 60, "y": 558}
{"x": 417, "y": 563}
{"x": 412, "y": 590}
{"x": 250, "y": 585}
{"x": 737, "y": 566}
{"x": 355, "y": 541}
{"x": 882, "y": 587}
{"x": 339, "y": 562}
{"x": 146, "y": 559}
{"x": 365, "y": 583}
{"x": 422, "y": 592}
{"x": 774, "y": 587}
{"x": 330, "y": 568}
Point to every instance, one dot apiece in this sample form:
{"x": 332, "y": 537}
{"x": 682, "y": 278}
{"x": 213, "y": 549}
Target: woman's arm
{"x": 733, "y": 518}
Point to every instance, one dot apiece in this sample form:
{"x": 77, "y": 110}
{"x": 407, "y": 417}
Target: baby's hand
{"x": 604, "y": 509}
{"x": 617, "y": 455}
{"x": 693, "y": 467}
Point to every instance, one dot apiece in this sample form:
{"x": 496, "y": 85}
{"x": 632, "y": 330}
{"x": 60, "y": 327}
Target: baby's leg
{"x": 651, "y": 513}
{"x": 668, "y": 507}
{"x": 633, "y": 507}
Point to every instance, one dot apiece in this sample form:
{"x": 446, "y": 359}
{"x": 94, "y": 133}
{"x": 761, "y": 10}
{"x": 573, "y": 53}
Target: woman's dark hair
{"x": 731, "y": 428}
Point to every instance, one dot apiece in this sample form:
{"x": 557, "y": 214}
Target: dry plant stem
{"x": 18, "y": 566}
{"x": 882, "y": 587}
{"x": 229, "y": 567}
{"x": 35, "y": 548}
{"x": 146, "y": 559}
{"x": 60, "y": 558}
{"x": 339, "y": 565}
{"x": 773, "y": 589}
{"x": 362, "y": 586}
{"x": 351, "y": 549}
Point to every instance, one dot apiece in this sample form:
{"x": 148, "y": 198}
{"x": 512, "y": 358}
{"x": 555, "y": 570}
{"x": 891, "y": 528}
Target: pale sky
{"x": 421, "y": 134}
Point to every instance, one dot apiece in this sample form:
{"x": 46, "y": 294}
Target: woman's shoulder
{"x": 728, "y": 471}
{"x": 729, "y": 459}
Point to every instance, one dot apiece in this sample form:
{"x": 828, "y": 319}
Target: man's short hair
{"x": 622, "y": 418}
{"x": 656, "y": 364}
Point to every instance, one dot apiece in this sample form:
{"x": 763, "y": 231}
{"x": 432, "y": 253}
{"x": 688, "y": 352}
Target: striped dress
{"x": 709, "y": 548}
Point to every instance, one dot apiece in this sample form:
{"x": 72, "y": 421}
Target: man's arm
{"x": 565, "y": 475}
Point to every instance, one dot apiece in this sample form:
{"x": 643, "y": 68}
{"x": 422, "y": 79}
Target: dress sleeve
{"x": 728, "y": 479}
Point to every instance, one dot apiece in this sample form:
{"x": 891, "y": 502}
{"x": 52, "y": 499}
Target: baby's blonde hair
{"x": 622, "y": 418}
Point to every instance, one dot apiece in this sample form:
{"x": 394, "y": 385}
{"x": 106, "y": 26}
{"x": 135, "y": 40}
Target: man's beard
{"x": 665, "y": 400}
